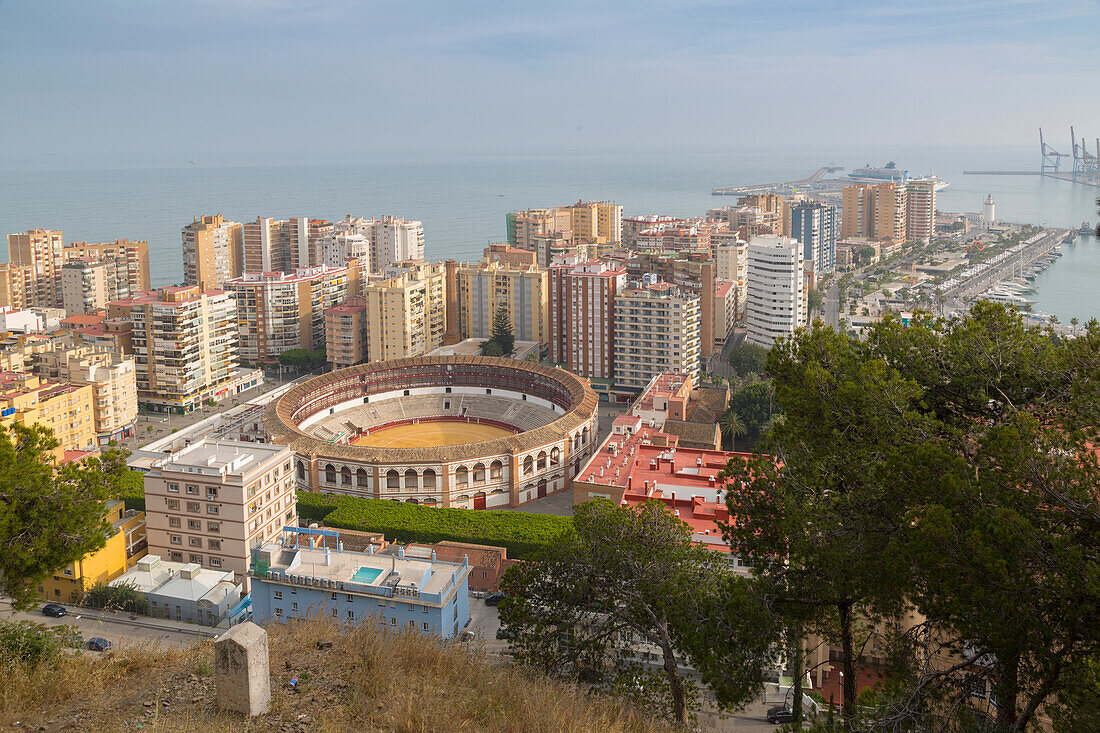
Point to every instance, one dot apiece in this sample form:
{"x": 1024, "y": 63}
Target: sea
{"x": 462, "y": 198}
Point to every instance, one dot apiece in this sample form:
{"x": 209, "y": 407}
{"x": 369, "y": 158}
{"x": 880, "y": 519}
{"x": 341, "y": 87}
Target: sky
{"x": 221, "y": 78}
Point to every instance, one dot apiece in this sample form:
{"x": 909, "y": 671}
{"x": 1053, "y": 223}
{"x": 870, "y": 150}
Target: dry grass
{"x": 368, "y": 680}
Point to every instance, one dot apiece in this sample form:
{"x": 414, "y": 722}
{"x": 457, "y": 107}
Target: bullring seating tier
{"x": 522, "y": 416}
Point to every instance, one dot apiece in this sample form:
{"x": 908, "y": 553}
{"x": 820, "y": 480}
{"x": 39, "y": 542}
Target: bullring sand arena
{"x": 424, "y": 434}
{"x": 473, "y": 432}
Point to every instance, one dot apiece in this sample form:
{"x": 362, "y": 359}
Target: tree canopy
{"x": 748, "y": 358}
{"x": 501, "y": 336}
{"x": 50, "y": 515}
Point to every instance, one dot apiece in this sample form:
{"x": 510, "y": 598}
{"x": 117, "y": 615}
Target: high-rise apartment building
{"x": 283, "y": 245}
{"x": 213, "y": 501}
{"x": 522, "y": 291}
{"x": 873, "y": 212}
{"x": 585, "y": 222}
{"x": 814, "y": 225}
{"x": 185, "y": 345}
{"x": 406, "y": 313}
{"x": 41, "y": 250}
{"x": 16, "y": 286}
{"x": 88, "y": 284}
{"x": 657, "y": 330}
{"x": 774, "y": 305}
{"x": 280, "y": 311}
{"x": 920, "y": 209}
{"x": 392, "y": 239}
{"x": 339, "y": 247}
{"x": 730, "y": 262}
{"x": 346, "y": 333}
{"x": 212, "y": 251}
{"x": 131, "y": 258}
{"x": 774, "y": 210}
{"x": 582, "y": 317}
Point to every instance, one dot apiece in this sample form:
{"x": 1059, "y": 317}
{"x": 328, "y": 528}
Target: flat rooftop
{"x": 222, "y": 456}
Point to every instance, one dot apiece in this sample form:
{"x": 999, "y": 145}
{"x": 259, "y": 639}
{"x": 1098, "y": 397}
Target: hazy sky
{"x": 180, "y": 79}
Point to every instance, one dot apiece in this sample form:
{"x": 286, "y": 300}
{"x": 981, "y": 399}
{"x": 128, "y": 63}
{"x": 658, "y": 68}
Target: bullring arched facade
{"x": 554, "y": 410}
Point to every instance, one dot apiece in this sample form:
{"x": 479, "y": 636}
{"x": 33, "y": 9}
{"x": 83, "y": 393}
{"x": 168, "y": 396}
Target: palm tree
{"x": 732, "y": 425}
{"x": 1073, "y": 322}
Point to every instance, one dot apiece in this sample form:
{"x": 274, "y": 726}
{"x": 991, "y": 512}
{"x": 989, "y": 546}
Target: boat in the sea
{"x": 1086, "y": 229}
{"x": 889, "y": 173}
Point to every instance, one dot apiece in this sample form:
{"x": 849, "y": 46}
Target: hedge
{"x": 522, "y": 533}
{"x": 132, "y": 490}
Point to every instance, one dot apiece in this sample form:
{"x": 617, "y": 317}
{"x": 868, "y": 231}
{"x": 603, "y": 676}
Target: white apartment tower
{"x": 392, "y": 239}
{"x": 775, "y": 304}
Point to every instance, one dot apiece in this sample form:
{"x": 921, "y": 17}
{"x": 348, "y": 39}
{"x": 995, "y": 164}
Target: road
{"x": 121, "y": 629}
{"x": 832, "y": 306}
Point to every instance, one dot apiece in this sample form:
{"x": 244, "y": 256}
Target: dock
{"x": 816, "y": 181}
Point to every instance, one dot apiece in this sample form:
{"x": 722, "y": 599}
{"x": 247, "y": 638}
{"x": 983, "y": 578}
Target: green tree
{"x": 748, "y": 358}
{"x": 501, "y": 332}
{"x": 491, "y": 348}
{"x": 625, "y": 575}
{"x": 123, "y": 597}
{"x": 814, "y": 299}
{"x": 50, "y": 515}
{"x": 755, "y": 405}
{"x": 732, "y": 426}
{"x": 820, "y": 517}
{"x": 1003, "y": 534}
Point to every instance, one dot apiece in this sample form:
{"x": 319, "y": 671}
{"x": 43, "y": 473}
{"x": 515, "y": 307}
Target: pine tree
{"x": 502, "y": 333}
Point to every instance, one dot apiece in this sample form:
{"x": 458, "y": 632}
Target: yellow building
{"x": 131, "y": 259}
{"x": 596, "y": 221}
{"x": 67, "y": 409}
{"x": 522, "y": 291}
{"x": 124, "y": 547}
{"x": 16, "y": 286}
{"x": 406, "y": 314}
{"x": 212, "y": 251}
{"x": 873, "y": 212}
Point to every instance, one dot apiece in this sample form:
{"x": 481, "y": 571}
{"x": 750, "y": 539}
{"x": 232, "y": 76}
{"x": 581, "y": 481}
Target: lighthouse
{"x": 989, "y": 214}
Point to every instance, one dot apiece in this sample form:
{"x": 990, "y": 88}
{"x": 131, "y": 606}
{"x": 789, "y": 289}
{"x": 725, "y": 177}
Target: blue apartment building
{"x": 815, "y": 225}
{"x": 309, "y": 575}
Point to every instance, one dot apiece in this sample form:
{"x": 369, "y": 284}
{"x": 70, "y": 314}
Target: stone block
{"x": 242, "y": 670}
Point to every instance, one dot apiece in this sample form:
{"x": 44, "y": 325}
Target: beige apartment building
{"x": 280, "y": 311}
{"x": 385, "y": 241}
{"x": 873, "y": 212}
{"x": 112, "y": 377}
{"x": 88, "y": 284}
{"x": 522, "y": 291}
{"x": 213, "y": 501}
{"x": 657, "y": 330}
{"x": 41, "y": 250}
{"x": 131, "y": 258}
{"x": 585, "y": 222}
{"x": 920, "y": 209}
{"x": 66, "y": 409}
{"x": 406, "y": 313}
{"x": 283, "y": 245}
{"x": 16, "y": 286}
{"x": 185, "y": 345}
{"x": 211, "y": 251}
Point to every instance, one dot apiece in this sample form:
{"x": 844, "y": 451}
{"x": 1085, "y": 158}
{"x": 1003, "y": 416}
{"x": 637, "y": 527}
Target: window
{"x": 211, "y": 508}
{"x": 351, "y": 615}
{"x": 196, "y": 559}
{"x": 194, "y": 506}
{"x": 425, "y": 625}
{"x": 211, "y": 493}
{"x": 177, "y": 557}
{"x": 214, "y": 544}
{"x": 213, "y": 527}
{"x": 174, "y": 488}
{"x": 192, "y": 489}
{"x": 173, "y": 504}
{"x": 173, "y": 521}
{"x": 175, "y": 539}
{"x": 278, "y": 595}
{"x": 332, "y": 597}
{"x": 215, "y": 562}
{"x": 335, "y": 613}
{"x": 294, "y": 607}
{"x": 194, "y": 541}
{"x": 69, "y": 570}
{"x": 278, "y": 613}
{"x": 348, "y": 595}
{"x": 194, "y": 524}
{"x": 393, "y": 622}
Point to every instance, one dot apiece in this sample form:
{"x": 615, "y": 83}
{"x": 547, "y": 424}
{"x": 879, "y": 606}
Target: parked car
{"x": 780, "y": 714}
{"x": 494, "y": 599}
{"x": 55, "y": 610}
{"x": 97, "y": 644}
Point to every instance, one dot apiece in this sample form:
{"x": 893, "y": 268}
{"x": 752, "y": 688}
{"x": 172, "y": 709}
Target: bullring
{"x": 540, "y": 424}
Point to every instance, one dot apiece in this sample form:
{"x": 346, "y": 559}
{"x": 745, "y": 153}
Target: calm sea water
{"x": 462, "y": 200}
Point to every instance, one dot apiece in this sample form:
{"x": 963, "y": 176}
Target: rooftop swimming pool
{"x": 366, "y": 575}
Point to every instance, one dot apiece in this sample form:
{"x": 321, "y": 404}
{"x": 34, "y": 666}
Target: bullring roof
{"x": 279, "y": 415}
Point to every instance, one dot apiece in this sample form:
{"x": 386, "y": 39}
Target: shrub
{"x": 132, "y": 490}
{"x": 521, "y": 533}
{"x": 122, "y": 597}
{"x": 28, "y": 644}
